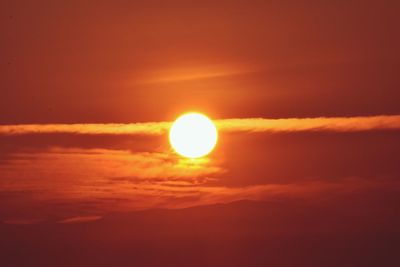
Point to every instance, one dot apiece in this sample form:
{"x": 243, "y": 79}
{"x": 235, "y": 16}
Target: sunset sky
{"x": 304, "y": 94}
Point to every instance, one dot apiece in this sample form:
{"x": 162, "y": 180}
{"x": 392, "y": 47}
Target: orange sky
{"x": 130, "y": 61}
{"x": 305, "y": 95}
{"x": 141, "y": 62}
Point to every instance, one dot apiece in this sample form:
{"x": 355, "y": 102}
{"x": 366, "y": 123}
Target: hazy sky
{"x": 305, "y": 95}
{"x": 129, "y": 61}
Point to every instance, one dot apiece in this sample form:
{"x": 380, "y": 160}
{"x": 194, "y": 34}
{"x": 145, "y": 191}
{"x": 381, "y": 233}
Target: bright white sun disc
{"x": 193, "y": 135}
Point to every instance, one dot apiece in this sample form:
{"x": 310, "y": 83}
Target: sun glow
{"x": 193, "y": 135}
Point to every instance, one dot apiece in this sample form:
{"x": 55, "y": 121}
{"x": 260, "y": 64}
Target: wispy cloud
{"x": 80, "y": 219}
{"x": 103, "y": 179}
{"x": 335, "y": 124}
{"x": 194, "y": 73}
{"x": 83, "y": 184}
{"x": 146, "y": 128}
{"x": 90, "y": 164}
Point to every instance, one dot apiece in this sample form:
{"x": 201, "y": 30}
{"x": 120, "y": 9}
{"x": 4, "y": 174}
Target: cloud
{"x": 66, "y": 183}
{"x": 186, "y": 73}
{"x": 57, "y": 180}
{"x": 147, "y": 128}
{"x": 80, "y": 219}
{"x": 335, "y": 124}
{"x": 105, "y": 163}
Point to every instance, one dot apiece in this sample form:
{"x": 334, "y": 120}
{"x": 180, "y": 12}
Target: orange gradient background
{"x": 305, "y": 98}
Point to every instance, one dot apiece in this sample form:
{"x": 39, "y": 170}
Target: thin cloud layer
{"x": 80, "y": 219}
{"x": 147, "y": 128}
{"x": 194, "y": 73}
{"x": 80, "y": 185}
{"x": 335, "y": 124}
{"x": 106, "y": 163}
{"x": 101, "y": 179}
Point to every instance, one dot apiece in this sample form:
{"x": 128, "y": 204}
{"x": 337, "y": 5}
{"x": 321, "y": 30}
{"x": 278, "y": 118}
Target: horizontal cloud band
{"x": 146, "y": 128}
{"x": 335, "y": 124}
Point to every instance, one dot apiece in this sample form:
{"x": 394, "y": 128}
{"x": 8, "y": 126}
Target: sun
{"x": 193, "y": 135}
